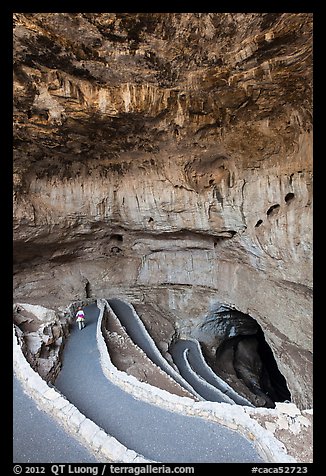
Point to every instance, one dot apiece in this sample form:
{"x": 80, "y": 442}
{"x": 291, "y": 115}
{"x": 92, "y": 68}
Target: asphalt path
{"x": 138, "y": 333}
{"x": 180, "y": 351}
{"x": 155, "y": 433}
{"x": 186, "y": 356}
{"x": 134, "y": 329}
{"x": 38, "y": 438}
{"x": 189, "y": 360}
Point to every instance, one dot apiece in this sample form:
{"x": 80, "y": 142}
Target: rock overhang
{"x": 167, "y": 124}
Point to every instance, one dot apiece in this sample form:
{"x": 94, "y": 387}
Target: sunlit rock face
{"x": 169, "y": 156}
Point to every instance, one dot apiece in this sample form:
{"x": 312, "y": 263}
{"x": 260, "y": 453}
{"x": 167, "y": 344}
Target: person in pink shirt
{"x": 80, "y": 318}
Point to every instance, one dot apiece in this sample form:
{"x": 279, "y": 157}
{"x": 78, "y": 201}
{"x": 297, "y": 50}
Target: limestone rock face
{"x": 169, "y": 155}
{"x": 41, "y": 333}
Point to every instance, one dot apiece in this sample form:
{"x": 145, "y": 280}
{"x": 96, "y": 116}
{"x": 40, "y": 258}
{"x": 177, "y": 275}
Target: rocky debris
{"x": 41, "y": 335}
{"x": 129, "y": 358}
{"x": 290, "y": 425}
{"x": 161, "y": 325}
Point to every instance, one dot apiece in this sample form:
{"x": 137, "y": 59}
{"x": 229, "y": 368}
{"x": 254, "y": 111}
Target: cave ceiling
{"x": 100, "y": 87}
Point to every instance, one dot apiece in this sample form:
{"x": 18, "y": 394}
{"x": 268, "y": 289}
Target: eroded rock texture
{"x": 169, "y": 157}
{"x": 41, "y": 333}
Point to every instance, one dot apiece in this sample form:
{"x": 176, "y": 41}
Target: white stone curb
{"x": 105, "y": 447}
{"x": 164, "y": 365}
{"x": 234, "y": 417}
{"x": 227, "y": 390}
{"x": 160, "y": 369}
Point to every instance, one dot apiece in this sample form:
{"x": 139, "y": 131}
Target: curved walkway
{"x": 157, "y": 434}
{"x": 190, "y": 361}
{"x": 140, "y": 336}
{"x": 180, "y": 352}
{"x": 195, "y": 375}
{"x": 38, "y": 438}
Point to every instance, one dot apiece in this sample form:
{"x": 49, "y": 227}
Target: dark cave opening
{"x": 278, "y": 386}
{"x": 273, "y": 209}
{"x": 116, "y": 237}
{"x": 289, "y": 197}
{"x": 244, "y": 358}
{"x": 88, "y": 290}
{"x": 250, "y": 359}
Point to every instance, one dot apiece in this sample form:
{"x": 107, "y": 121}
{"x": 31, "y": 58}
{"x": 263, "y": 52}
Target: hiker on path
{"x": 80, "y": 318}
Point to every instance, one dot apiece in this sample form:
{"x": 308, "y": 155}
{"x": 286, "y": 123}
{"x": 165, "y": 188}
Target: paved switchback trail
{"x": 186, "y": 355}
{"x": 190, "y": 361}
{"x": 38, "y": 437}
{"x": 157, "y": 434}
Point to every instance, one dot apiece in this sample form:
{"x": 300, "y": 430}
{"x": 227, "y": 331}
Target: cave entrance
{"x": 244, "y": 359}
{"x": 277, "y": 387}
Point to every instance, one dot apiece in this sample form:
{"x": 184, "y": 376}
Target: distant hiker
{"x": 80, "y": 318}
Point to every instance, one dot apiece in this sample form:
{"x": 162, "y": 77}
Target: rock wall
{"x": 169, "y": 155}
{"x": 41, "y": 333}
